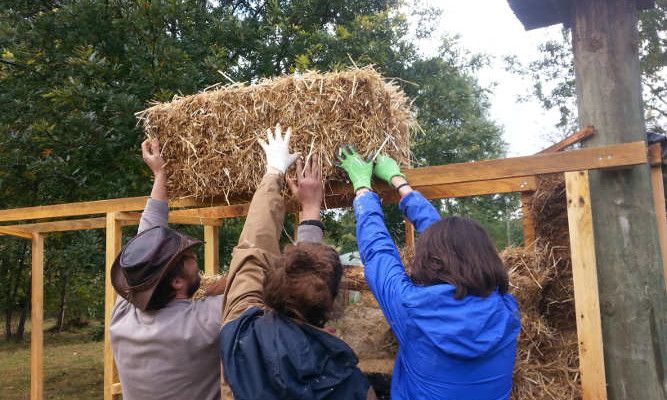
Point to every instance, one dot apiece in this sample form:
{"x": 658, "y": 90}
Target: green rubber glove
{"x": 386, "y": 168}
{"x": 357, "y": 169}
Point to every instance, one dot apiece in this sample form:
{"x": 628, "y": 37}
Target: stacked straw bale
{"x": 210, "y": 139}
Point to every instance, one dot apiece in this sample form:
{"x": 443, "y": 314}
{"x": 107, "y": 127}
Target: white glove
{"x": 277, "y": 150}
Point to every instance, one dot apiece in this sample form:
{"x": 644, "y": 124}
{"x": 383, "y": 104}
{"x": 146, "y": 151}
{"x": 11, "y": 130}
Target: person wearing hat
{"x": 164, "y": 344}
{"x": 272, "y": 344}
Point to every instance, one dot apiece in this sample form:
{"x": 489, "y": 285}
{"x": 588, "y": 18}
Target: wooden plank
{"x": 528, "y": 220}
{"x": 660, "y": 214}
{"x": 14, "y": 231}
{"x": 409, "y": 234}
{"x": 570, "y": 140}
{"x": 584, "y": 272}
{"x": 113, "y": 247}
{"x": 92, "y": 207}
{"x": 133, "y": 218}
{"x": 655, "y": 155}
{"x": 612, "y": 156}
{"x": 238, "y": 210}
{"x": 211, "y": 250}
{"x": 604, "y": 157}
{"x": 37, "y": 319}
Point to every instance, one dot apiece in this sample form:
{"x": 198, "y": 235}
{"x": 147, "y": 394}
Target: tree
{"x": 74, "y": 73}
{"x": 553, "y": 74}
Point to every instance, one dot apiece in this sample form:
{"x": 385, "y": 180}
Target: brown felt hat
{"x": 145, "y": 260}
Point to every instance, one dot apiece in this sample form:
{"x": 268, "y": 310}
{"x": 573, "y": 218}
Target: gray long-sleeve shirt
{"x": 171, "y": 353}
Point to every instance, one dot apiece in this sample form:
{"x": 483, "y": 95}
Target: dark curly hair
{"x": 458, "y": 251}
{"x": 304, "y": 282}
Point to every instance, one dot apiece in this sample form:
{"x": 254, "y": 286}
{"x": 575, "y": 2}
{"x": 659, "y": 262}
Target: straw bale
{"x": 210, "y": 139}
{"x": 546, "y": 364}
{"x": 206, "y": 280}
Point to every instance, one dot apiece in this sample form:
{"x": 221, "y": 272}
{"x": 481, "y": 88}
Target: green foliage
{"x": 74, "y": 73}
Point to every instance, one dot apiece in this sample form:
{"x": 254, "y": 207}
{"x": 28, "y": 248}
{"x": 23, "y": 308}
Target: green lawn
{"x": 72, "y": 366}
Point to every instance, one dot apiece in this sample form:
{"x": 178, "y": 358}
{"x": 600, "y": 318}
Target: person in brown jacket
{"x": 272, "y": 344}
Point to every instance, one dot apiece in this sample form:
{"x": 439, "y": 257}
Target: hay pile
{"x": 210, "y": 139}
{"x": 546, "y": 364}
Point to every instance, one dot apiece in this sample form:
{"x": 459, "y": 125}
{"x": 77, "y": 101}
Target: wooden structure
{"x": 454, "y": 180}
{"x": 629, "y": 257}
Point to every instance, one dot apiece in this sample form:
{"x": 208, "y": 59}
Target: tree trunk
{"x": 630, "y": 278}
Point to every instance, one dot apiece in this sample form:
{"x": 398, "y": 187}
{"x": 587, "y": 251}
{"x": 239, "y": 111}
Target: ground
{"x": 73, "y": 367}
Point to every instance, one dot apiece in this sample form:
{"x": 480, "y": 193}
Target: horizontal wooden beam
{"x": 132, "y": 218}
{"x": 613, "y": 156}
{"x": 13, "y": 231}
{"x": 91, "y": 208}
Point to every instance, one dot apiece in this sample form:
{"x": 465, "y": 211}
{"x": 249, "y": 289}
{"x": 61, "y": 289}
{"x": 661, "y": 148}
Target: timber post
{"x": 631, "y": 284}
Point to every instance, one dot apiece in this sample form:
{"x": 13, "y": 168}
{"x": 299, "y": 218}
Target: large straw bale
{"x": 210, "y": 139}
{"x": 547, "y": 356}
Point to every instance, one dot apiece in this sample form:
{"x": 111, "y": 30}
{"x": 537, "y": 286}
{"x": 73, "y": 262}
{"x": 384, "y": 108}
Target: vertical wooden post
{"x": 630, "y": 279}
{"x": 211, "y": 250}
{"x": 37, "y": 319}
{"x": 660, "y": 215}
{"x": 528, "y": 221}
{"x": 114, "y": 243}
{"x": 584, "y": 273}
{"x": 297, "y": 220}
{"x": 409, "y": 234}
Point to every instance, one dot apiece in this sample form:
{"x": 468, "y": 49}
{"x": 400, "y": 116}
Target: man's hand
{"x": 307, "y": 187}
{"x": 218, "y": 287}
{"x": 357, "y": 169}
{"x": 278, "y": 157}
{"x": 150, "y": 152}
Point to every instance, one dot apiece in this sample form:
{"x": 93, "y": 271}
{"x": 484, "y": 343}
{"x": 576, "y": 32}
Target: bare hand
{"x": 218, "y": 287}
{"x": 307, "y": 187}
{"x": 150, "y": 152}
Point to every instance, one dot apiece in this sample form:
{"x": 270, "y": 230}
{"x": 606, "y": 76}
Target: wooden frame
{"x": 454, "y": 180}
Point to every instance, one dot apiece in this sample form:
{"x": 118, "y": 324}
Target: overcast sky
{"x": 490, "y": 27}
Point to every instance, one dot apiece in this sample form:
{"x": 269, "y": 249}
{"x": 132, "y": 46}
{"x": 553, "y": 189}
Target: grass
{"x": 73, "y": 367}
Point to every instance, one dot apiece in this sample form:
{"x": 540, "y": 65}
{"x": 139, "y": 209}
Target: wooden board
{"x": 612, "y": 156}
{"x": 660, "y": 215}
{"x": 37, "y": 319}
{"x": 14, "y": 231}
{"x": 211, "y": 250}
{"x": 90, "y": 208}
{"x": 584, "y": 273}
{"x": 621, "y": 155}
{"x": 570, "y": 140}
{"x": 113, "y": 248}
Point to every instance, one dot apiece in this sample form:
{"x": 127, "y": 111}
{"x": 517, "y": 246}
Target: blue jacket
{"x": 266, "y": 356}
{"x": 449, "y": 349}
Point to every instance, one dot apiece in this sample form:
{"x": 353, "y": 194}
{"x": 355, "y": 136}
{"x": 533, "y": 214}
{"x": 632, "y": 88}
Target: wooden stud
{"x": 528, "y": 220}
{"x": 409, "y": 234}
{"x": 586, "y": 300}
{"x": 37, "y": 319}
{"x": 114, "y": 238}
{"x": 297, "y": 220}
{"x": 655, "y": 155}
{"x": 661, "y": 216}
{"x": 211, "y": 250}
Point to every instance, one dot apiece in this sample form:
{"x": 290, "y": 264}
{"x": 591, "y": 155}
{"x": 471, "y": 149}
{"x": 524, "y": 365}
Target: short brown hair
{"x": 304, "y": 282}
{"x": 458, "y": 251}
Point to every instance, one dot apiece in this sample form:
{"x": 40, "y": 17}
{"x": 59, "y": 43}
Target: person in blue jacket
{"x": 455, "y": 323}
